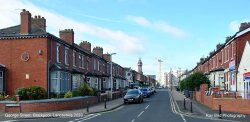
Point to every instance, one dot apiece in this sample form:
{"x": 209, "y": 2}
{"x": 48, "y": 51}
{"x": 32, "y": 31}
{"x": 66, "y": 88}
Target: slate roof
{"x": 14, "y": 31}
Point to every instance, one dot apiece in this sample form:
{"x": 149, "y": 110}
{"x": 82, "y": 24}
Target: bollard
{"x": 191, "y": 109}
{"x": 105, "y": 103}
{"x": 220, "y": 112}
{"x": 184, "y": 104}
{"x": 87, "y": 106}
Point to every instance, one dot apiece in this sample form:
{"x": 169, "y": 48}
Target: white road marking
{"x": 133, "y": 120}
{"x": 10, "y": 121}
{"x": 147, "y": 107}
{"x": 140, "y": 114}
{"x": 183, "y": 118}
{"x": 90, "y": 116}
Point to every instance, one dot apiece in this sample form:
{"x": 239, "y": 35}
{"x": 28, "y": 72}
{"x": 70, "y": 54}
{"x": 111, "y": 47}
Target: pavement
{"x": 97, "y": 108}
{"x": 201, "y": 111}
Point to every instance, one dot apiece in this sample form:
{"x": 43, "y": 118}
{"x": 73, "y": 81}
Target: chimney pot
{"x": 67, "y": 36}
{"x": 25, "y": 22}
{"x": 86, "y": 45}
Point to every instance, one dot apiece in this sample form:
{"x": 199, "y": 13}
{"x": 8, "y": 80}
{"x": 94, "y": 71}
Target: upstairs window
{"x": 74, "y": 58}
{"x": 58, "y": 53}
{"x": 80, "y": 60}
{"x": 1, "y": 81}
{"x": 66, "y": 56}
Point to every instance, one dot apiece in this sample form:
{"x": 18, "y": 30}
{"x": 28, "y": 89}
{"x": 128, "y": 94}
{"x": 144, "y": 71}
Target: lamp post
{"x": 111, "y": 75}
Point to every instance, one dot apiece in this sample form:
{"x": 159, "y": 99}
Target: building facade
{"x": 30, "y": 56}
{"x": 222, "y": 64}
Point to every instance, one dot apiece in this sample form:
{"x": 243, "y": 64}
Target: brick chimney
{"x": 244, "y": 26}
{"x": 25, "y": 22}
{"x": 67, "y": 35}
{"x": 106, "y": 57}
{"x": 98, "y": 51}
{"x": 218, "y": 46}
{"x": 86, "y": 45}
{"x": 39, "y": 22}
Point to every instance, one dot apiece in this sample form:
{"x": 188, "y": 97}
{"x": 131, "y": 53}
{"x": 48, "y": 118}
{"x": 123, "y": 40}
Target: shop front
{"x": 247, "y": 85}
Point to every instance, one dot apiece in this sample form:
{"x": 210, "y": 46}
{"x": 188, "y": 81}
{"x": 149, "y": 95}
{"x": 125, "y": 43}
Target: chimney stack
{"x": 86, "y": 45}
{"x": 25, "y": 22}
{"x": 39, "y": 22}
{"x": 244, "y": 26}
{"x": 218, "y": 46}
{"x": 67, "y": 35}
{"x": 106, "y": 57}
{"x": 98, "y": 51}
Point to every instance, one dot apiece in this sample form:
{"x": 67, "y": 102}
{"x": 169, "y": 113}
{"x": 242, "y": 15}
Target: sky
{"x": 177, "y": 32}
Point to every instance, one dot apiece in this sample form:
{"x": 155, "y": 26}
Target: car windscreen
{"x": 133, "y": 92}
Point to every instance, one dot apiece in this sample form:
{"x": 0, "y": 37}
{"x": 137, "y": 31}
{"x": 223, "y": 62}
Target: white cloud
{"x": 158, "y": 25}
{"x": 115, "y": 38}
{"x": 234, "y": 26}
{"x": 139, "y": 20}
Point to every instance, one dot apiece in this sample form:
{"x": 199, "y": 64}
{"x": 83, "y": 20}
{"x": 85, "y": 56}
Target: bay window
{"x": 60, "y": 82}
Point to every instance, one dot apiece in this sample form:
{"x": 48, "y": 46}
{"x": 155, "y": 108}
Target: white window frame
{"x": 58, "y": 53}
{"x": 57, "y": 79}
{"x": 217, "y": 60}
{"x": 74, "y": 58}
{"x": 66, "y": 55}
{"x": 232, "y": 56}
{"x": 222, "y": 56}
{"x": 94, "y": 64}
{"x": 98, "y": 65}
{"x": 63, "y": 80}
{"x": 228, "y": 54}
{"x": 82, "y": 61}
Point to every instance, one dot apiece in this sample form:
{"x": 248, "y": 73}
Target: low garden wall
{"x": 47, "y": 104}
{"x": 236, "y": 105}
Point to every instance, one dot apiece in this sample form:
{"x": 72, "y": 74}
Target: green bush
{"x": 95, "y": 92}
{"x": 68, "y": 94}
{"x": 194, "y": 81}
{"x": 86, "y": 90}
{"x": 75, "y": 93}
{"x": 31, "y": 93}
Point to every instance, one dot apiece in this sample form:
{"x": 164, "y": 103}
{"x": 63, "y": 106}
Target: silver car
{"x": 133, "y": 96}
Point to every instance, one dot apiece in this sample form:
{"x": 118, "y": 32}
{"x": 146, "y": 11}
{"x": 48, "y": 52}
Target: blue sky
{"x": 178, "y": 32}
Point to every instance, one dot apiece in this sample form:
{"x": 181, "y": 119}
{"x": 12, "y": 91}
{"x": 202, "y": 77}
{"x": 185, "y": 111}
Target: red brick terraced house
{"x": 30, "y": 56}
{"x": 222, "y": 64}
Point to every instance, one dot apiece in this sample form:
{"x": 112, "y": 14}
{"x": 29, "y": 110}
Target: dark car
{"x": 133, "y": 96}
{"x": 146, "y": 92}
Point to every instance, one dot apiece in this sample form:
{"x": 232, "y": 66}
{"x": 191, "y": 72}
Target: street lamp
{"x": 111, "y": 75}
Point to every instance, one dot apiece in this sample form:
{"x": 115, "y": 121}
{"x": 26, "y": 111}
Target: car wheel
{"x": 142, "y": 100}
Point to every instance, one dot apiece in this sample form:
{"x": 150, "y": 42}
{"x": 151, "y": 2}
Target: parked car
{"x": 133, "y": 96}
{"x": 153, "y": 89}
{"x": 146, "y": 92}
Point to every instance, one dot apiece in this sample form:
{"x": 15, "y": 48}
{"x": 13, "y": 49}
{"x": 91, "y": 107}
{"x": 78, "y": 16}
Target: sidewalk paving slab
{"x": 97, "y": 108}
{"x": 204, "y": 111}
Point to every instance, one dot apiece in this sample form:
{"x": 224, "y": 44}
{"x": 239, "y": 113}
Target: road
{"x": 157, "y": 108}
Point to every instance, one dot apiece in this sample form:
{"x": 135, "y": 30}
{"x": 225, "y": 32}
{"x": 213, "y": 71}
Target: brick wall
{"x": 232, "y": 105}
{"x": 50, "y": 105}
{"x": 227, "y": 104}
{"x": 17, "y": 69}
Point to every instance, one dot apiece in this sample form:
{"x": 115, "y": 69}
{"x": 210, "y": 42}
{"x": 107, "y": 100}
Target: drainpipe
{"x": 236, "y": 66}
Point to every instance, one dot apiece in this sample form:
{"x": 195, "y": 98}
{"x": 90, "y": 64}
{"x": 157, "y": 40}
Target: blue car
{"x": 146, "y": 92}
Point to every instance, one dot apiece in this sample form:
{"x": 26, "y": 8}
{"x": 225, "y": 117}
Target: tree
{"x": 194, "y": 81}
